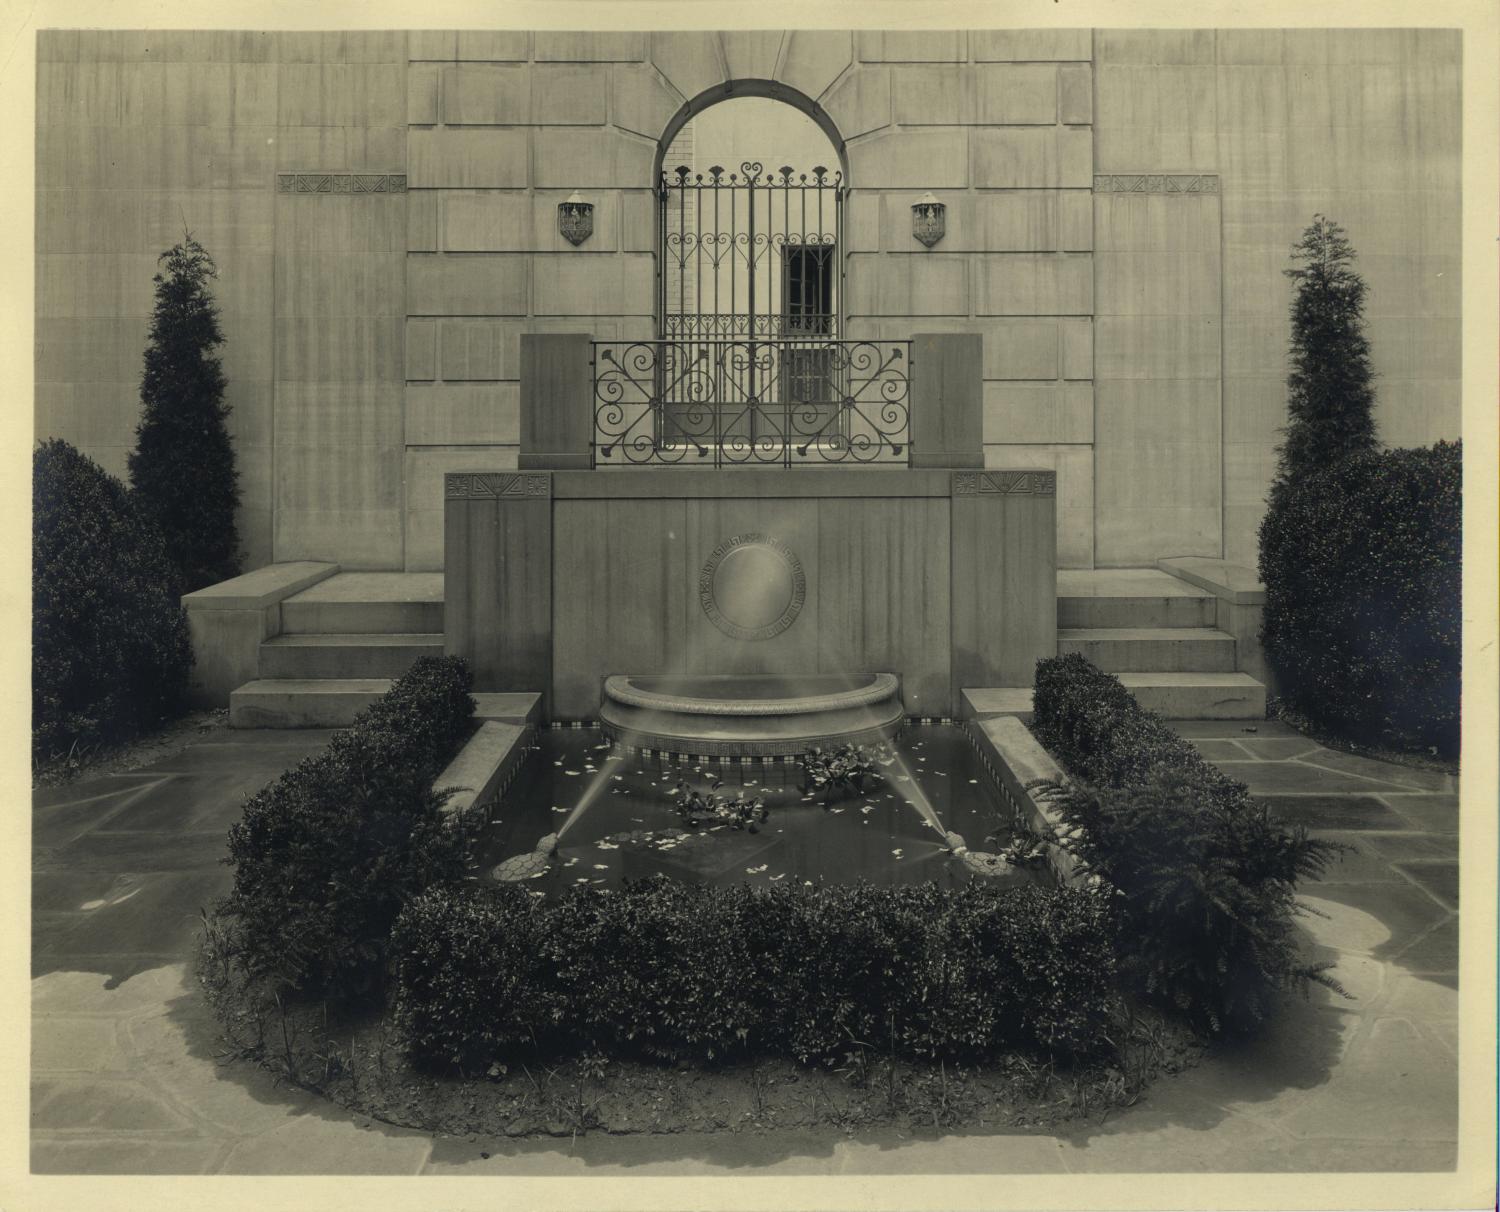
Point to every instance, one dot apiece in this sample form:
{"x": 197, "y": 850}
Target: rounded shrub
{"x": 680, "y": 971}
{"x": 326, "y": 856}
{"x": 110, "y": 648}
{"x": 1203, "y": 877}
{"x": 1362, "y": 567}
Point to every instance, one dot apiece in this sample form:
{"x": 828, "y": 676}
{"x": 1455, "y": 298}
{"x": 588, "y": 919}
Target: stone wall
{"x": 997, "y": 124}
{"x": 1362, "y": 125}
{"x": 558, "y": 579}
{"x": 1120, "y": 207}
{"x": 142, "y": 132}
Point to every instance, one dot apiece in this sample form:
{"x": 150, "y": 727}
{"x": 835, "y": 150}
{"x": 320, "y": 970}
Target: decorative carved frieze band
{"x": 1007, "y": 483}
{"x": 341, "y": 183}
{"x": 1157, "y": 183}
{"x": 489, "y": 486}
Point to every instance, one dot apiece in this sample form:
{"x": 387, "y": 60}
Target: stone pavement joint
{"x": 126, "y": 1078}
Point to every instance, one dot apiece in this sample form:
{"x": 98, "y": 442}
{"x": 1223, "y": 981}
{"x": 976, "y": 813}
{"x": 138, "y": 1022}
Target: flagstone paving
{"x": 125, "y": 1076}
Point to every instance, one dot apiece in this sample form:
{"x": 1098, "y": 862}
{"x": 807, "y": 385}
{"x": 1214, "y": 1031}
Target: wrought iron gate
{"x": 748, "y": 365}
{"x": 749, "y": 255}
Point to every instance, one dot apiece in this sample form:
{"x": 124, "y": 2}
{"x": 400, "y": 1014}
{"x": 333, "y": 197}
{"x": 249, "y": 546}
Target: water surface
{"x": 878, "y": 836}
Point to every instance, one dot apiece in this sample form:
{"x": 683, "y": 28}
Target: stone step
{"x": 1177, "y": 696}
{"x": 367, "y": 603}
{"x": 1131, "y": 597}
{"x": 1198, "y": 696}
{"x": 345, "y": 656}
{"x": 303, "y": 702}
{"x": 1153, "y": 649}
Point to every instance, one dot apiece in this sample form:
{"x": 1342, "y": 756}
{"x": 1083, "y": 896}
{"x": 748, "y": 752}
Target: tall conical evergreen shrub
{"x": 1360, "y": 549}
{"x": 182, "y": 471}
{"x": 1330, "y": 397}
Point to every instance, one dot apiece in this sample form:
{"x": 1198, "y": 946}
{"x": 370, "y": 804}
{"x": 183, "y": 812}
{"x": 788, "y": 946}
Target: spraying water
{"x": 917, "y": 798}
{"x": 591, "y": 792}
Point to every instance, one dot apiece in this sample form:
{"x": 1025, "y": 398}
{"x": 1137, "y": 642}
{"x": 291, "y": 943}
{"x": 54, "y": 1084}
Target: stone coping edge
{"x": 1226, "y": 580}
{"x": 507, "y": 706}
{"x": 623, "y": 689}
{"x": 260, "y": 588}
{"x": 482, "y": 771}
{"x": 1013, "y": 758}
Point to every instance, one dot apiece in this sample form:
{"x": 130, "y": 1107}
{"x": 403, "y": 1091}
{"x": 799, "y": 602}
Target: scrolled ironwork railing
{"x": 772, "y": 402}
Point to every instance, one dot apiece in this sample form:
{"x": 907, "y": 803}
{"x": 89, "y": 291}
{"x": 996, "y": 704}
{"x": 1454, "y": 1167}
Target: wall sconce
{"x": 928, "y": 220}
{"x": 575, "y": 219}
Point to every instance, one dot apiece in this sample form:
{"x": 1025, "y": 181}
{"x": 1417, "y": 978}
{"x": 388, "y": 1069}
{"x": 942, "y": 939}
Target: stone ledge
{"x": 262, "y": 588}
{"x": 1232, "y": 583}
{"x": 993, "y": 702}
{"x": 1014, "y": 758}
{"x": 511, "y": 707}
{"x": 484, "y": 767}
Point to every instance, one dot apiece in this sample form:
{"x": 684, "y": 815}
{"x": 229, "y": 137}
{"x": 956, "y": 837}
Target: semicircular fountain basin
{"x": 750, "y": 716}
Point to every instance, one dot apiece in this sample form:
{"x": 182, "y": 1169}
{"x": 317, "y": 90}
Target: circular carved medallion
{"x": 752, "y": 587}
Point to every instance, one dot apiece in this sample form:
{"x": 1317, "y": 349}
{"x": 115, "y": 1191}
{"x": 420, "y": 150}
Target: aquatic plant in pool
{"x": 892, "y": 833}
{"x": 847, "y": 769}
{"x": 696, "y": 807}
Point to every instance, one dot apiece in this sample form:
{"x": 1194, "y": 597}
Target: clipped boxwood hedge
{"x": 1362, "y": 563}
{"x": 487, "y": 973}
{"x": 325, "y": 856}
{"x": 110, "y": 652}
{"x": 1206, "y": 877}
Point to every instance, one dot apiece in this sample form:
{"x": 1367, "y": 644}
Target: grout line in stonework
{"x": 1369, "y": 778}
{"x": 1451, "y": 915}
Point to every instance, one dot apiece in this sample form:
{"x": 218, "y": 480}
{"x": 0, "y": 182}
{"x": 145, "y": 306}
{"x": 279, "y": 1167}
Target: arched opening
{"x": 750, "y": 200}
{"x": 750, "y": 197}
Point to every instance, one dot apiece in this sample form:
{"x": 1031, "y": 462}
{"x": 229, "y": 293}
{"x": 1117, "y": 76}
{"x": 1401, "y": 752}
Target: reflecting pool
{"x": 631, "y": 829}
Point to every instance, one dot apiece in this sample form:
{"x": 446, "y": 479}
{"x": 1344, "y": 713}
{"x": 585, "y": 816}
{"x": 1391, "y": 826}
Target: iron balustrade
{"x": 793, "y": 399}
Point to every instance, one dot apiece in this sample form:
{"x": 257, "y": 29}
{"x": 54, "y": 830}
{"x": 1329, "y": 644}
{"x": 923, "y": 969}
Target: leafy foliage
{"x": 110, "y": 650}
{"x": 1094, "y": 727}
{"x": 326, "y": 855}
{"x": 1362, "y": 563}
{"x": 1330, "y": 397}
{"x": 695, "y": 806}
{"x": 681, "y": 971}
{"x": 183, "y": 470}
{"x": 1205, "y": 877}
{"x": 847, "y": 769}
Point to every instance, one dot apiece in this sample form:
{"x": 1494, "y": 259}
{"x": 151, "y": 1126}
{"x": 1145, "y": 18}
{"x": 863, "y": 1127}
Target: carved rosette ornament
{"x": 752, "y": 587}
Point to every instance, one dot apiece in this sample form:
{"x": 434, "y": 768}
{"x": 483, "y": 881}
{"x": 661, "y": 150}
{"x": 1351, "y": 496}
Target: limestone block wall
{"x": 140, "y": 133}
{"x": 1361, "y": 125}
{"x": 502, "y": 126}
{"x": 382, "y": 206}
{"x": 998, "y": 125}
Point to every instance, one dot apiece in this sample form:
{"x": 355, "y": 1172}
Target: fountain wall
{"x": 944, "y": 576}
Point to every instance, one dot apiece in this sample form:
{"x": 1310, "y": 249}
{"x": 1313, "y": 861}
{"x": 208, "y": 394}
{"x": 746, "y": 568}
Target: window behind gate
{"x": 749, "y": 364}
